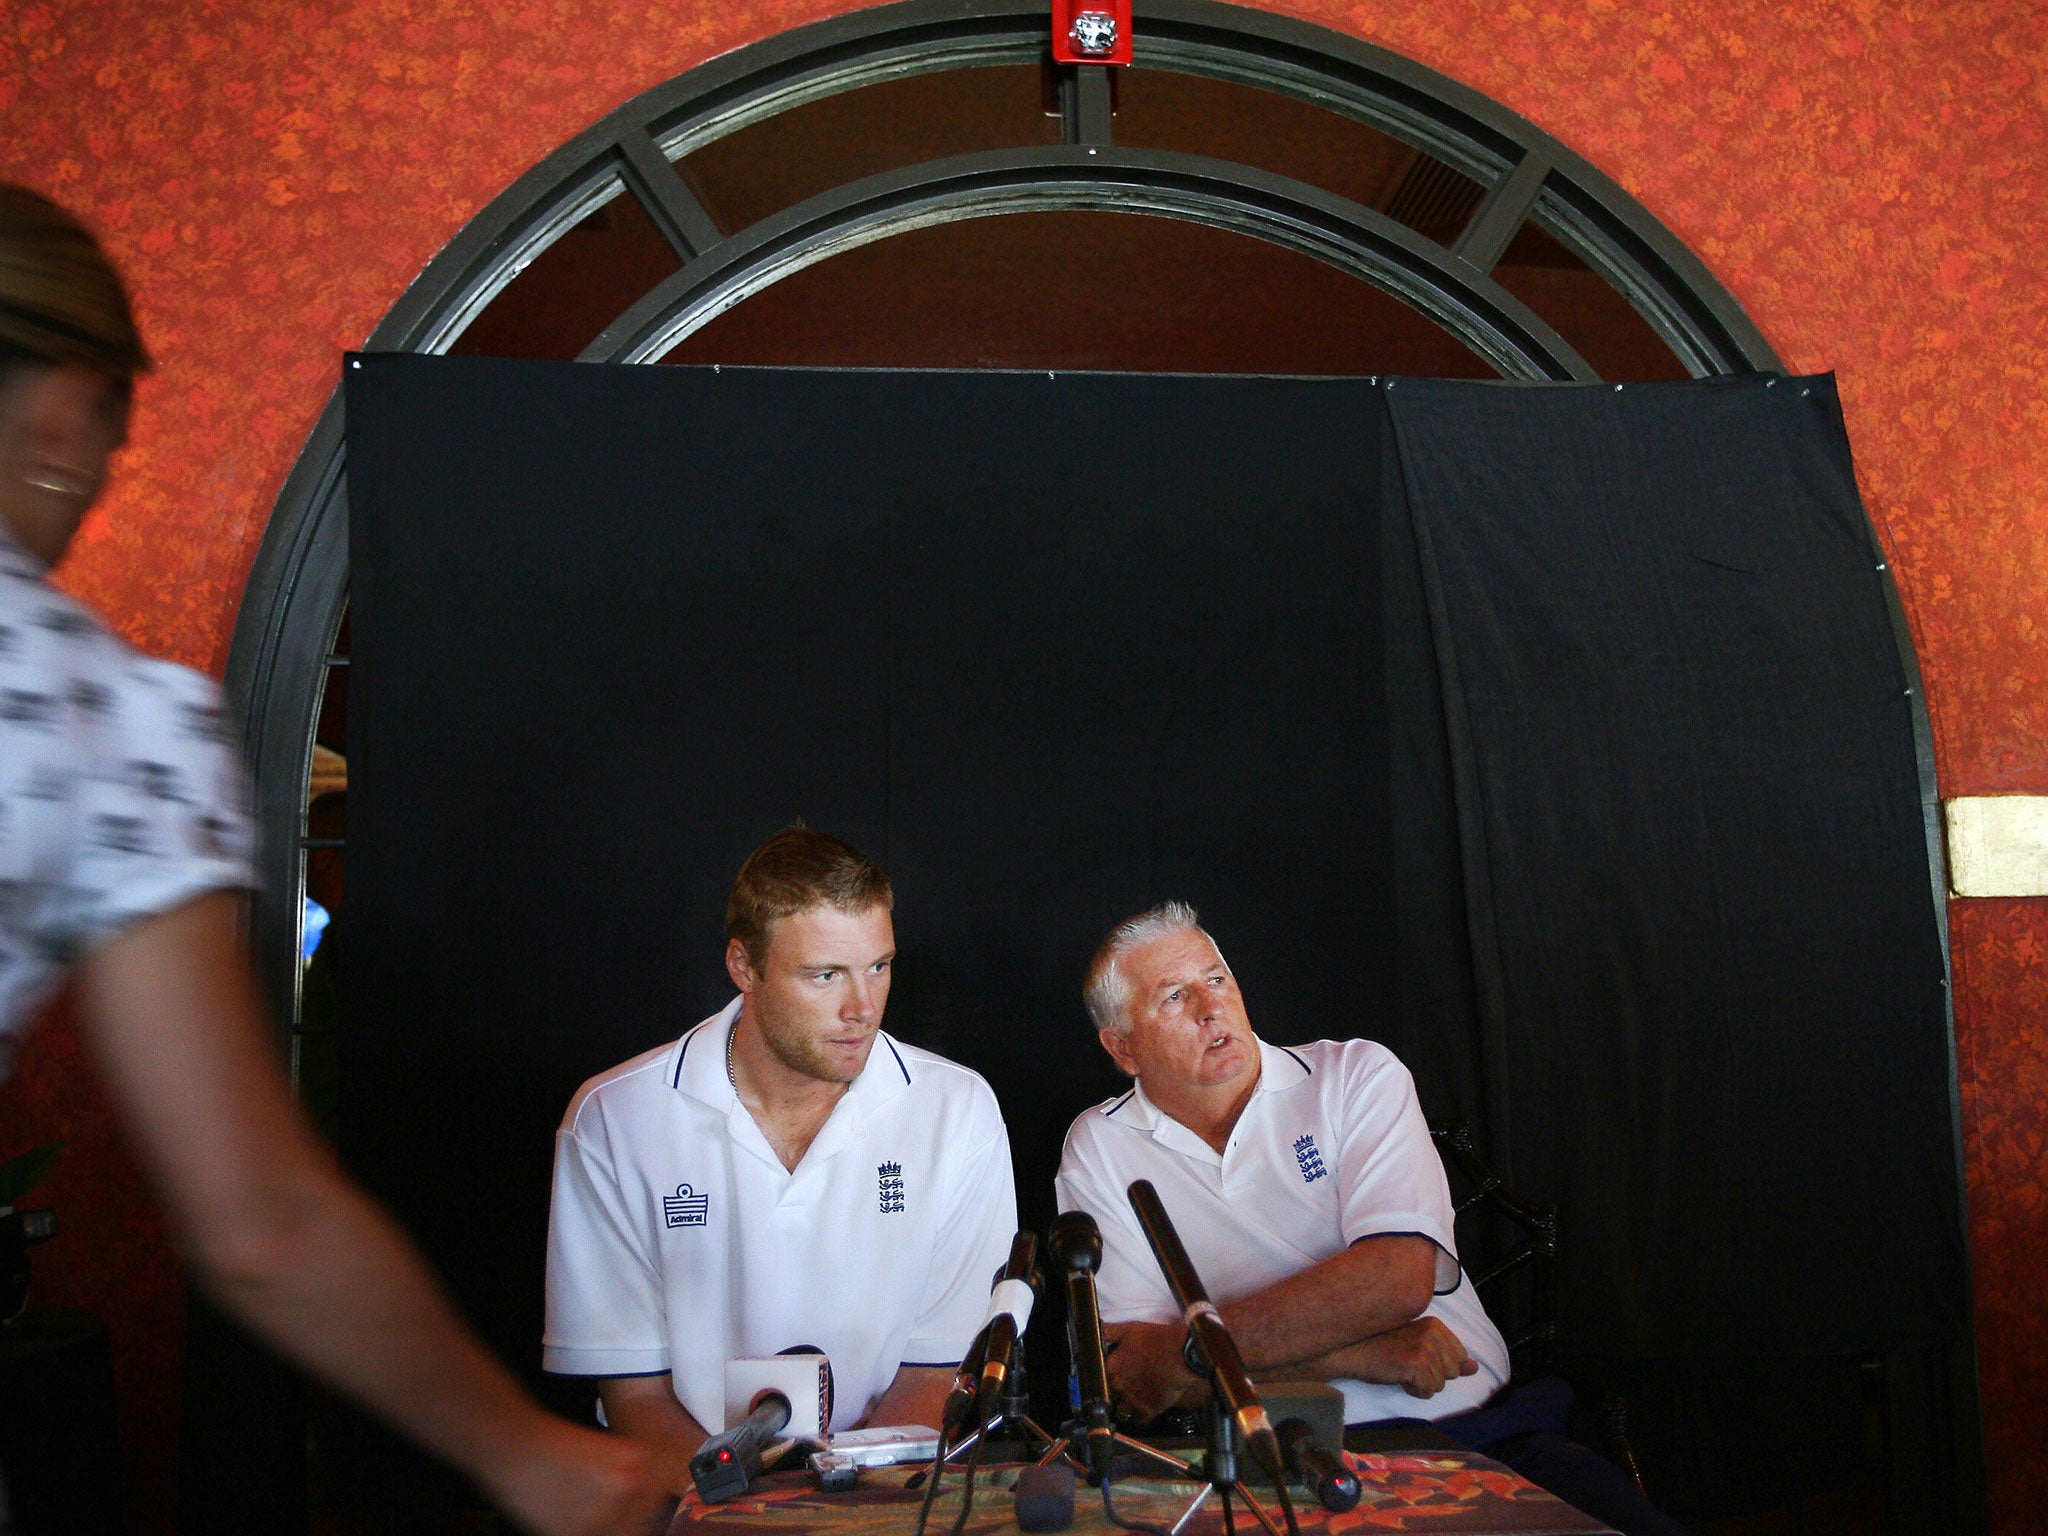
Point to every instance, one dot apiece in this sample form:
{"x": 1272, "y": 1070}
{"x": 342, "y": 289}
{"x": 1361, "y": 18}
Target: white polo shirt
{"x": 677, "y": 1240}
{"x": 1332, "y": 1147}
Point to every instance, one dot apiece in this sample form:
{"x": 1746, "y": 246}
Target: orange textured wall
{"x": 1866, "y": 177}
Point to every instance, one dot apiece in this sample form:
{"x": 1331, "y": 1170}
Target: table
{"x": 1453, "y": 1491}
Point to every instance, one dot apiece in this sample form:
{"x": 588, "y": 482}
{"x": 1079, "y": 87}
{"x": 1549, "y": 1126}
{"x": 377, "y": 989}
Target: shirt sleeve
{"x": 162, "y": 810}
{"x": 606, "y": 1314}
{"x": 973, "y": 1243}
{"x": 1390, "y": 1179}
{"x": 1129, "y": 1287}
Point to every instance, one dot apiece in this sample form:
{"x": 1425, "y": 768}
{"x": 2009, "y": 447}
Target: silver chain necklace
{"x": 730, "y": 1076}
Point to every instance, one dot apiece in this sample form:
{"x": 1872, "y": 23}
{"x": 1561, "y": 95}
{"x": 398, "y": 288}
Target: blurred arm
{"x": 645, "y": 1409}
{"x": 282, "y": 1238}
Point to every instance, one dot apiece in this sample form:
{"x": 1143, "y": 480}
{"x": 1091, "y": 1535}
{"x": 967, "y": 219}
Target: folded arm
{"x": 1420, "y": 1357}
{"x": 1324, "y": 1321}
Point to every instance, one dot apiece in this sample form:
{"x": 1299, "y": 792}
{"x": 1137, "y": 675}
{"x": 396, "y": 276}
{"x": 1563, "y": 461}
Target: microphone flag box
{"x": 806, "y": 1380}
{"x": 1316, "y": 1403}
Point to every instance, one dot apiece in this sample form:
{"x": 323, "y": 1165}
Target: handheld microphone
{"x": 1206, "y": 1328}
{"x": 1010, "y": 1281}
{"x": 1076, "y": 1244}
{"x": 1015, "y": 1290}
{"x": 1334, "y": 1484}
{"x": 726, "y": 1465}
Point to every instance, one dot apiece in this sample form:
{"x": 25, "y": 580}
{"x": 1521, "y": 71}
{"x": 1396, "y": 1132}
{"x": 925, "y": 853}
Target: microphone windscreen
{"x": 1045, "y": 1498}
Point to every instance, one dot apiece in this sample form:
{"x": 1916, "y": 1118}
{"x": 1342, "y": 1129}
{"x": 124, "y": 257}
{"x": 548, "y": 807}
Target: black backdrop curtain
{"x": 1551, "y": 735}
{"x": 1051, "y": 648}
{"x": 1710, "y": 1000}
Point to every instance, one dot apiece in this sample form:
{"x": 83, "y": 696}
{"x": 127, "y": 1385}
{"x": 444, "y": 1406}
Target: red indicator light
{"x": 725, "y": 1455}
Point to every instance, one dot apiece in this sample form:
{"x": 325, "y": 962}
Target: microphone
{"x": 1205, "y": 1327}
{"x": 726, "y": 1465}
{"x": 1334, "y": 1484}
{"x": 966, "y": 1381}
{"x": 1015, "y": 1290}
{"x": 1076, "y": 1244}
{"x": 1044, "y": 1498}
{"x": 1011, "y": 1280}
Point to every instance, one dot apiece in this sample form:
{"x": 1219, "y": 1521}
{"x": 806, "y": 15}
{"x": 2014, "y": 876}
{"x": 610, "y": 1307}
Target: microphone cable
{"x": 967, "y": 1484}
{"x": 935, "y": 1474}
{"x": 1109, "y": 1513}
{"x": 931, "y": 1486}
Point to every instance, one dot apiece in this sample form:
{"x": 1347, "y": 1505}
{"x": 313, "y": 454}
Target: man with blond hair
{"x": 784, "y": 1175}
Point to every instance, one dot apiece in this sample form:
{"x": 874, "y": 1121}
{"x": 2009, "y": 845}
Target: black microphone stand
{"x": 1219, "y": 1467}
{"x": 1234, "y": 1407}
{"x": 1014, "y": 1410}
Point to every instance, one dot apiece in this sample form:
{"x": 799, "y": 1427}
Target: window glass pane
{"x": 1157, "y": 109}
{"x": 574, "y": 288}
{"x": 1080, "y": 290}
{"x": 1582, "y": 307}
{"x": 330, "y": 729}
{"x": 780, "y": 161}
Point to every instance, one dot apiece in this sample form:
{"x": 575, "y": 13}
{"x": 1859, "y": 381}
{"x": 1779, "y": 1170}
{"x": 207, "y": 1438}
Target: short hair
{"x": 61, "y": 300}
{"x": 793, "y": 871}
{"x": 1106, "y": 991}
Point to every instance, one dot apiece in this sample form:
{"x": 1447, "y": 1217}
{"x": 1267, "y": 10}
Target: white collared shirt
{"x": 1331, "y": 1147}
{"x": 121, "y": 792}
{"x": 677, "y": 1240}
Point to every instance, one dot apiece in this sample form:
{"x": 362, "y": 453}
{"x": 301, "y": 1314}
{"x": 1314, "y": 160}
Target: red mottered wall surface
{"x": 1866, "y": 178}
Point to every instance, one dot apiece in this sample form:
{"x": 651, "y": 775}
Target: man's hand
{"x": 644, "y": 1409}
{"x": 1147, "y": 1374}
{"x": 1418, "y": 1357}
{"x": 579, "y": 1482}
{"x": 916, "y": 1395}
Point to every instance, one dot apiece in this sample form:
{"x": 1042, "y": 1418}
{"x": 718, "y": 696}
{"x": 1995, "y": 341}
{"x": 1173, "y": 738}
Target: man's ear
{"x": 1117, "y": 1043}
{"x": 739, "y": 965}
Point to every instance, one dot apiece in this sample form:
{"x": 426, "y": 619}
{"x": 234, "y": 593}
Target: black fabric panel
{"x": 1680, "y": 729}
{"x": 1435, "y": 1027}
{"x": 1051, "y": 649}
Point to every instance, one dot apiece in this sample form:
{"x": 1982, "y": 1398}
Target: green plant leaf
{"x": 22, "y": 1174}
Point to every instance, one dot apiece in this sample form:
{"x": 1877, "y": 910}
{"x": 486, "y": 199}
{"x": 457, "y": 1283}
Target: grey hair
{"x": 1106, "y": 992}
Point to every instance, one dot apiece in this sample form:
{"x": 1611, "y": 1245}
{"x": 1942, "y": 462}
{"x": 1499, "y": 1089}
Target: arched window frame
{"x": 297, "y": 593}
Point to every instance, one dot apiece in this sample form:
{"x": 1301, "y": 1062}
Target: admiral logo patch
{"x": 686, "y": 1208}
{"x": 1311, "y": 1160}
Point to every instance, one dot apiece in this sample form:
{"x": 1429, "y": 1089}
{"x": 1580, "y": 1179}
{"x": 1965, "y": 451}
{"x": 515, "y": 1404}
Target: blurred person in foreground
{"x": 124, "y": 853}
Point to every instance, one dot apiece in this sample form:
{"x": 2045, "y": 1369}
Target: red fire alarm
{"x": 1091, "y": 31}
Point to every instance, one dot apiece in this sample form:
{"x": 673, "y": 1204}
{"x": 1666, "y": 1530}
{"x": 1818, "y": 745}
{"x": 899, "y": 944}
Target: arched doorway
{"x": 708, "y": 219}
{"x": 846, "y": 194}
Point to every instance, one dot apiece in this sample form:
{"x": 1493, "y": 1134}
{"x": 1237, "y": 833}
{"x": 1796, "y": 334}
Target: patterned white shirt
{"x": 121, "y": 794}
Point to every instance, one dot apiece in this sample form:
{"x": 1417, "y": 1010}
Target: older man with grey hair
{"x": 1303, "y": 1182}
{"x": 1306, "y": 1189}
